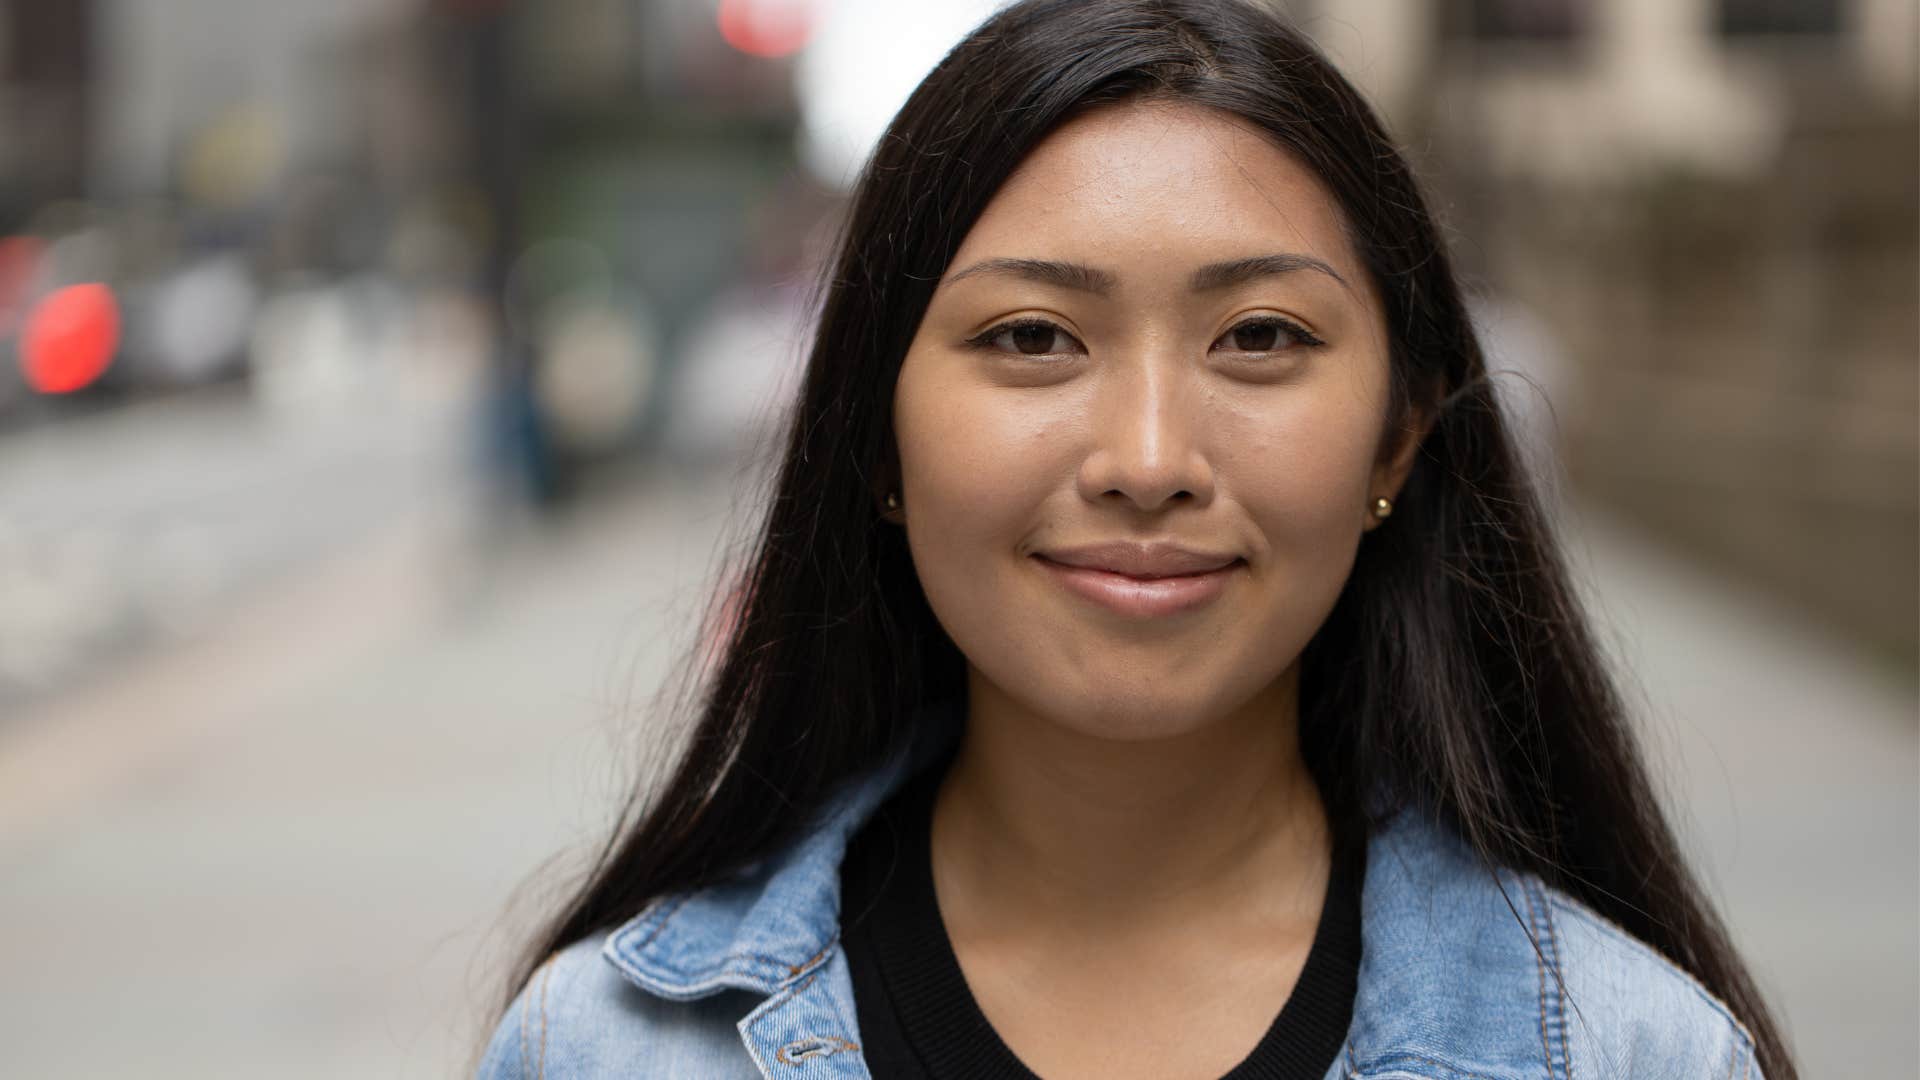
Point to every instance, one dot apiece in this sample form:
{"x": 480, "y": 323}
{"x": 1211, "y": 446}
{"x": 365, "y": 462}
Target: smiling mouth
{"x": 1143, "y": 595}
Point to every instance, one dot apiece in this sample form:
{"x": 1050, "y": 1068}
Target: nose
{"x": 1146, "y": 446}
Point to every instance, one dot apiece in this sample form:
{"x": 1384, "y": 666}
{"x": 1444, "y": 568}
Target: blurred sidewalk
{"x": 284, "y": 848}
{"x": 136, "y": 525}
{"x": 1794, "y": 773}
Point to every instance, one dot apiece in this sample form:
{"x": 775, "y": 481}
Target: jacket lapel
{"x": 774, "y": 930}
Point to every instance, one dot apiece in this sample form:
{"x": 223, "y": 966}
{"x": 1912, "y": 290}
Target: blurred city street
{"x": 275, "y": 848}
{"x": 380, "y": 382}
{"x": 285, "y": 844}
{"x": 138, "y": 521}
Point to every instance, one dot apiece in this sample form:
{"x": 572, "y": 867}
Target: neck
{"x": 1056, "y": 828}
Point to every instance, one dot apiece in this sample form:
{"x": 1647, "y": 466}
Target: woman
{"x": 1154, "y": 663}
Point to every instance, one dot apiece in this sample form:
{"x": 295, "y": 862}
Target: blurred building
{"x": 1712, "y": 204}
{"x": 45, "y": 98}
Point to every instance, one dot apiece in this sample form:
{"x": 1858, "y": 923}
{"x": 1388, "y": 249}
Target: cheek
{"x": 973, "y": 470}
{"x": 984, "y": 469}
{"x": 1301, "y": 468}
{"x": 955, "y": 455}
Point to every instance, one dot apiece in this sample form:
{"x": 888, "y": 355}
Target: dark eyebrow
{"x": 1045, "y": 271}
{"x": 1239, "y": 271}
{"x": 1100, "y": 282}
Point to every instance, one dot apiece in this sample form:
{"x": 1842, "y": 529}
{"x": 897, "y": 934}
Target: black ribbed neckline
{"x": 918, "y": 1018}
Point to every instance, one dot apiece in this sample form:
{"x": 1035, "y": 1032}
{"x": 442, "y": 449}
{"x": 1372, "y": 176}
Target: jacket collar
{"x": 777, "y": 919}
{"x": 1448, "y": 946}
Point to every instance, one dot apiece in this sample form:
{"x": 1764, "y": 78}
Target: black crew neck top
{"x": 919, "y": 1021}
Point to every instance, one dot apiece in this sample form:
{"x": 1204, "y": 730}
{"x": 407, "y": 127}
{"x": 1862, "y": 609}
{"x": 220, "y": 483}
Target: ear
{"x": 1397, "y": 453}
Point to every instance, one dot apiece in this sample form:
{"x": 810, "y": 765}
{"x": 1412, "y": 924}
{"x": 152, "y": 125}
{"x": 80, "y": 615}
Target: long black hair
{"x": 1456, "y": 670}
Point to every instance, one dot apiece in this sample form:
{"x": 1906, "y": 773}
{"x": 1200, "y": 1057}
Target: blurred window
{"x": 1742, "y": 17}
{"x": 1522, "y": 20}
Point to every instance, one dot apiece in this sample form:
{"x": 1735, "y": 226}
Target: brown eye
{"x": 1270, "y": 334}
{"x": 1256, "y": 337}
{"x": 1034, "y": 339}
{"x": 1028, "y": 337}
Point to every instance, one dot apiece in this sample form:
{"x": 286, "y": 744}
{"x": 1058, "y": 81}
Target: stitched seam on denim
{"x": 811, "y": 961}
{"x": 726, "y": 968}
{"x": 775, "y": 1004}
{"x": 851, "y": 1023}
{"x": 766, "y": 1008}
{"x": 1539, "y": 969}
{"x": 638, "y": 965}
{"x": 1614, "y": 930}
{"x": 544, "y": 983}
{"x": 788, "y": 995}
{"x": 526, "y": 1066}
{"x": 665, "y": 917}
{"x": 1559, "y": 982}
{"x": 792, "y": 970}
{"x": 526, "y": 1005}
{"x": 795, "y": 992}
{"x": 732, "y": 964}
{"x": 690, "y": 991}
{"x": 542, "y": 974}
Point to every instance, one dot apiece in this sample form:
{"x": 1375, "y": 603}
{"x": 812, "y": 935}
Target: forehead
{"x": 1167, "y": 182}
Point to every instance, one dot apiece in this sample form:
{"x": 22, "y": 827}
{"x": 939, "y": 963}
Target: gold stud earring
{"x": 1382, "y": 507}
{"x": 893, "y": 501}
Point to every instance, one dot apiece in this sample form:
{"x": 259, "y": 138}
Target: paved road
{"x": 128, "y": 528}
{"x": 283, "y": 848}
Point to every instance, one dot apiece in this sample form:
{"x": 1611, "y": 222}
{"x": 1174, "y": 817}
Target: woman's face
{"x": 1141, "y": 424}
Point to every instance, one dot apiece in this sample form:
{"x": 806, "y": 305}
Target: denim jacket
{"x": 747, "y": 977}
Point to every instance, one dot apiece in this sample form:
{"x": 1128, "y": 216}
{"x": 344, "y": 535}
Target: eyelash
{"x": 1302, "y": 337}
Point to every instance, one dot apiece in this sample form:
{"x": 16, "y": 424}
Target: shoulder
{"x": 1632, "y": 1009}
{"x": 1469, "y": 971}
{"x": 579, "y": 1016}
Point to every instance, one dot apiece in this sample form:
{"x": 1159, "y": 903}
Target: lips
{"x": 1141, "y": 581}
{"x": 1140, "y": 560}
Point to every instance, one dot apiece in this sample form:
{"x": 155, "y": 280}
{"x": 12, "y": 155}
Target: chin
{"x": 1123, "y": 713}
